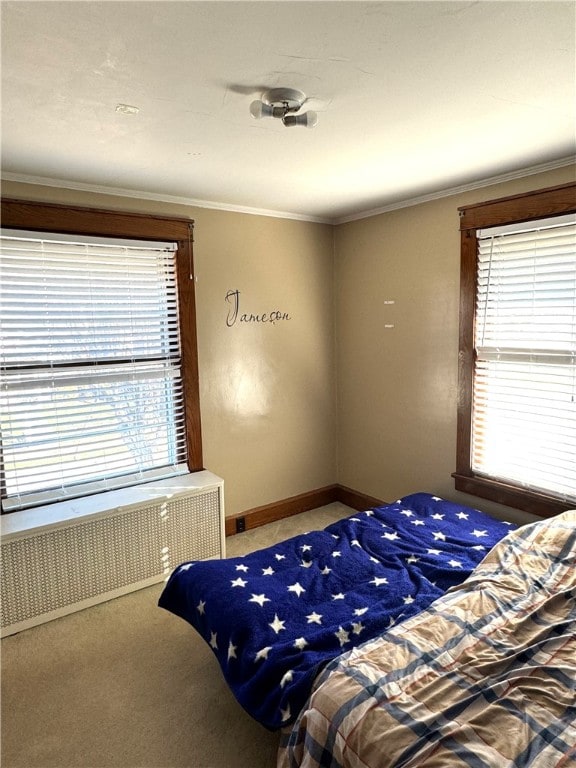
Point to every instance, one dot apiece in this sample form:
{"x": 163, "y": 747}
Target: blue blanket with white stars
{"x": 275, "y": 617}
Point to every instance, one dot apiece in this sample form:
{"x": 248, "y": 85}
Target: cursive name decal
{"x": 234, "y": 315}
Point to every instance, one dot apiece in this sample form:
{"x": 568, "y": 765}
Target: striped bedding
{"x": 485, "y": 677}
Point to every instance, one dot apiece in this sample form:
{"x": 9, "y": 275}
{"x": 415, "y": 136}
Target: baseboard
{"x": 357, "y": 500}
{"x": 278, "y": 510}
{"x": 269, "y": 513}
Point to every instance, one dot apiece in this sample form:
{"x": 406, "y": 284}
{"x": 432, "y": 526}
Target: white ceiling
{"x": 412, "y": 98}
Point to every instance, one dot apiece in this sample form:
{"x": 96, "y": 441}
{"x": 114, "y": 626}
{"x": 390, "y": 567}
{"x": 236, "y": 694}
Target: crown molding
{"x": 336, "y": 220}
{"x": 450, "y": 191}
{"x": 44, "y": 181}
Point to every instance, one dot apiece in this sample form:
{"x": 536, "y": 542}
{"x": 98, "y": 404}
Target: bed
{"x": 484, "y": 677}
{"x": 276, "y": 617}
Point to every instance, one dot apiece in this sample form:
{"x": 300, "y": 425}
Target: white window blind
{"x": 91, "y": 393}
{"x": 524, "y": 408}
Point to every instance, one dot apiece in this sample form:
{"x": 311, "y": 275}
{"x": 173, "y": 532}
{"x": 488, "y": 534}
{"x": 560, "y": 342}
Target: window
{"x": 99, "y": 372}
{"x": 517, "y": 389}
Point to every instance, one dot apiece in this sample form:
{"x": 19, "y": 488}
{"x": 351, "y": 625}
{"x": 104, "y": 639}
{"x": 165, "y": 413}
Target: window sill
{"x": 511, "y": 496}
{"x": 63, "y": 513}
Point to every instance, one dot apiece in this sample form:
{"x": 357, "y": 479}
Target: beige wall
{"x": 267, "y": 389}
{"x": 397, "y": 387}
{"x": 331, "y": 395}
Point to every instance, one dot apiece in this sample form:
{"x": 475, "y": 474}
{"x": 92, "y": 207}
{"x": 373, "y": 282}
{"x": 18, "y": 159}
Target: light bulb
{"x": 258, "y": 109}
{"x": 312, "y": 119}
{"x": 307, "y": 119}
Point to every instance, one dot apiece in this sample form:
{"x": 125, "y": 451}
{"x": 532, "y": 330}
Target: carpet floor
{"x": 125, "y": 684}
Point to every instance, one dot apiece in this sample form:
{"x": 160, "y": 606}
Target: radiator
{"x": 52, "y": 569}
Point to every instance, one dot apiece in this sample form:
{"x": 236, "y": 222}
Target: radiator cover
{"x": 63, "y": 567}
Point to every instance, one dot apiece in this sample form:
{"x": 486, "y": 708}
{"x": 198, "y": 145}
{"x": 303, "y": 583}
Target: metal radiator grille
{"x": 66, "y": 565}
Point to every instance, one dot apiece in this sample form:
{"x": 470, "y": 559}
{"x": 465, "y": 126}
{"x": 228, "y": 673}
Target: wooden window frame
{"x": 539, "y": 204}
{"x": 76, "y": 220}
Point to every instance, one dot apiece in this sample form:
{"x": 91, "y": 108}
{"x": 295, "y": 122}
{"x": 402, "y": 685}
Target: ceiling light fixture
{"x": 282, "y": 103}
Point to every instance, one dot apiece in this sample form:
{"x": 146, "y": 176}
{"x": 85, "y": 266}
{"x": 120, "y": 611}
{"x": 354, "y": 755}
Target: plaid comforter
{"x": 485, "y": 677}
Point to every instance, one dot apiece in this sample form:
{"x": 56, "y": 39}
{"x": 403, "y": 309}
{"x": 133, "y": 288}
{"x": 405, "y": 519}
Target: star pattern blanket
{"x": 275, "y": 617}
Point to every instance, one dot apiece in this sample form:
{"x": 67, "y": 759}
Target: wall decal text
{"x": 234, "y": 315}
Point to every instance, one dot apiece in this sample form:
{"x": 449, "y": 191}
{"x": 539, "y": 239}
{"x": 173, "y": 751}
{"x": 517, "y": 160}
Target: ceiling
{"x": 412, "y": 98}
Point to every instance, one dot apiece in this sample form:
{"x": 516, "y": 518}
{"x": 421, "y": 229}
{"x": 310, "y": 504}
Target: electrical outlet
{"x": 240, "y": 524}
